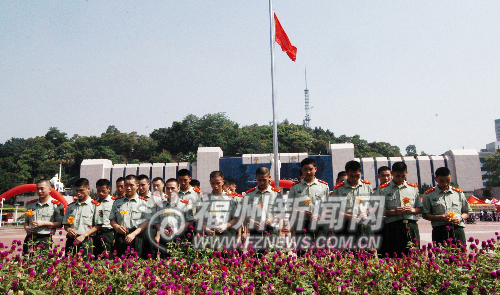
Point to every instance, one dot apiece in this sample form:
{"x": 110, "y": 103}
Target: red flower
{"x": 224, "y": 268}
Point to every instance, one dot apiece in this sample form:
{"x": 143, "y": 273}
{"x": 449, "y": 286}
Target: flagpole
{"x": 275, "y": 111}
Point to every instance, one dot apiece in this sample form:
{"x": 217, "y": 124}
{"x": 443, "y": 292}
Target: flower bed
{"x": 429, "y": 270}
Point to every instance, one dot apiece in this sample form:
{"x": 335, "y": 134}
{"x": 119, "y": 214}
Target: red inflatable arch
{"x": 284, "y": 183}
{"x": 32, "y": 188}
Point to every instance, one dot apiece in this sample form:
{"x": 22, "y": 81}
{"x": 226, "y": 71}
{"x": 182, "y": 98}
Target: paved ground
{"x": 482, "y": 230}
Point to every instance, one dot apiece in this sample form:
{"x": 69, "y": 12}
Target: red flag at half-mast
{"x": 282, "y": 39}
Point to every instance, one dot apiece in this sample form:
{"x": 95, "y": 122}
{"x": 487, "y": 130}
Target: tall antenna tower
{"x": 307, "y": 119}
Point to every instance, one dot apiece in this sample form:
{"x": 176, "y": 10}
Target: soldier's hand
{"x": 256, "y": 224}
{"x": 315, "y": 217}
{"x": 408, "y": 209}
{"x": 221, "y": 228}
{"x": 72, "y": 233}
{"x": 29, "y": 230}
{"x": 121, "y": 230}
{"x": 309, "y": 214}
{"x": 209, "y": 231}
{"x": 157, "y": 239}
{"x": 80, "y": 239}
{"x": 129, "y": 238}
{"x": 269, "y": 221}
{"x": 455, "y": 220}
{"x": 400, "y": 211}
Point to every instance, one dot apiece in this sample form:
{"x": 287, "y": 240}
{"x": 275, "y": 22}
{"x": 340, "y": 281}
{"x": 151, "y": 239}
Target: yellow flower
{"x": 71, "y": 219}
{"x": 308, "y": 200}
{"x": 123, "y": 212}
{"x": 359, "y": 200}
{"x": 451, "y": 214}
{"x": 167, "y": 211}
{"x": 30, "y": 213}
{"x": 406, "y": 200}
{"x": 261, "y": 206}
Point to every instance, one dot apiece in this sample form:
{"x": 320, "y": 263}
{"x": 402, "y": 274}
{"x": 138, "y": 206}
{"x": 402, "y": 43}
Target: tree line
{"x": 27, "y": 160}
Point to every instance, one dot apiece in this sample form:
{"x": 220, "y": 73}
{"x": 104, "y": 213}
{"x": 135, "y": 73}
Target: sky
{"x": 405, "y": 72}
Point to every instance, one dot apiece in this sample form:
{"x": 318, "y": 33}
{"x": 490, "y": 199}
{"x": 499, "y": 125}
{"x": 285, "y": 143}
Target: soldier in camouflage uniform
{"x": 129, "y": 217}
{"x": 44, "y": 215}
{"x": 447, "y": 208}
{"x": 402, "y": 207}
{"x": 81, "y": 219}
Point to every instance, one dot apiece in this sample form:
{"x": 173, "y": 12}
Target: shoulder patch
{"x": 56, "y": 202}
{"x": 384, "y": 185}
{"x": 339, "y": 185}
{"x": 114, "y": 198}
{"x": 96, "y": 203}
{"x": 429, "y": 190}
{"x": 331, "y": 193}
{"x": 275, "y": 189}
{"x": 323, "y": 182}
{"x": 197, "y": 190}
{"x": 32, "y": 201}
{"x": 457, "y": 189}
{"x": 144, "y": 199}
{"x": 366, "y": 181}
{"x": 412, "y": 184}
{"x": 250, "y": 190}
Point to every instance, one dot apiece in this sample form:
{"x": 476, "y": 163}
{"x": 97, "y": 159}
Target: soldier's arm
{"x": 427, "y": 209}
{"x": 431, "y": 217}
{"x": 27, "y": 227}
{"x": 53, "y": 224}
{"x": 130, "y": 237}
{"x": 87, "y": 234}
{"x": 71, "y": 231}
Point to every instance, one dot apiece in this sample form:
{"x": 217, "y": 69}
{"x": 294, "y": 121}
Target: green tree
{"x": 411, "y": 151}
{"x": 492, "y": 167}
{"x": 164, "y": 157}
{"x": 422, "y": 188}
{"x": 55, "y": 136}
